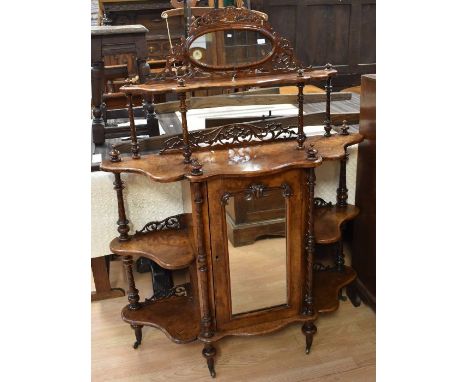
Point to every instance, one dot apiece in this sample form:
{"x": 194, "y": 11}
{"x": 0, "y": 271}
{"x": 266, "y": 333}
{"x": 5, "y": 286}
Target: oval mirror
{"x": 230, "y": 48}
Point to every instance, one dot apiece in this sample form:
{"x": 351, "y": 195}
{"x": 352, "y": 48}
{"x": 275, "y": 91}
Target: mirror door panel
{"x": 262, "y": 278}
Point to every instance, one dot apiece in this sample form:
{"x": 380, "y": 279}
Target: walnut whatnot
{"x": 244, "y": 162}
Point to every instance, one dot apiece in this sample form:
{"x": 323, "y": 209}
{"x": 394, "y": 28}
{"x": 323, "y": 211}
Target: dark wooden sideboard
{"x": 364, "y": 225}
{"x": 341, "y": 32}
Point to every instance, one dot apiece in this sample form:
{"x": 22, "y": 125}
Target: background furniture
{"x": 107, "y": 41}
{"x": 363, "y": 247}
{"x": 338, "y": 31}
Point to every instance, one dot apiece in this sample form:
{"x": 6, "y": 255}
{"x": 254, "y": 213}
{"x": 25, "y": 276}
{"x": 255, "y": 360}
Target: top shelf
{"x": 259, "y": 80}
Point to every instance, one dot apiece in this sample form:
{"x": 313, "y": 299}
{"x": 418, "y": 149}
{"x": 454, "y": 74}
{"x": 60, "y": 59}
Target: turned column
{"x": 300, "y": 116}
{"x": 97, "y": 89}
{"x": 206, "y": 329}
{"x": 122, "y": 223}
{"x": 185, "y": 134}
{"x": 342, "y": 190}
{"x": 132, "y": 293}
{"x": 152, "y": 123}
{"x": 309, "y": 328}
{"x": 341, "y": 201}
{"x": 133, "y": 134}
{"x": 328, "y": 89}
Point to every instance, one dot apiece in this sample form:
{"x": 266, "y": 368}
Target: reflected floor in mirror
{"x": 258, "y": 275}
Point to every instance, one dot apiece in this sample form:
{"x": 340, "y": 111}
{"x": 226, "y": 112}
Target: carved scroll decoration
{"x": 257, "y": 191}
{"x": 319, "y": 202}
{"x": 182, "y": 290}
{"x": 233, "y": 134}
{"x": 172, "y": 222}
{"x": 179, "y": 66}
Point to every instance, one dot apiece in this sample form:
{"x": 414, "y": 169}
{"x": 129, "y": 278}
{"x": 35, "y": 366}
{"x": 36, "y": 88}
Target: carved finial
{"x": 344, "y": 128}
{"x": 328, "y": 66}
{"x": 300, "y": 72}
{"x": 311, "y": 152}
{"x": 181, "y": 82}
{"x": 114, "y": 155}
{"x": 196, "y": 168}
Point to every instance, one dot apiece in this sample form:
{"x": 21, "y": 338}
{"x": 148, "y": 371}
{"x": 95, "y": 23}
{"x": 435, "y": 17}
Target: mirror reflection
{"x": 257, "y": 251}
{"x": 231, "y": 48}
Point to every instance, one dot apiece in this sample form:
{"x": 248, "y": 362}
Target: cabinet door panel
{"x": 248, "y": 296}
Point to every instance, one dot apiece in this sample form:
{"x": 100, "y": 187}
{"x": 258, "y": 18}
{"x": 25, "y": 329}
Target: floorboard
{"x": 343, "y": 348}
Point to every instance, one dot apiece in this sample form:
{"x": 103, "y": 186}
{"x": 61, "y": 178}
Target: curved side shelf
{"x": 177, "y": 317}
{"x": 328, "y": 221}
{"x": 169, "y": 248}
{"x": 327, "y": 285}
{"x": 333, "y": 148}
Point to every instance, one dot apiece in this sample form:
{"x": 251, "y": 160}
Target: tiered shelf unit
{"x": 280, "y": 157}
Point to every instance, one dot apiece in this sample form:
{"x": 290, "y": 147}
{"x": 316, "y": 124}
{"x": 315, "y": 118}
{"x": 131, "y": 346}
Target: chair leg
{"x": 209, "y": 353}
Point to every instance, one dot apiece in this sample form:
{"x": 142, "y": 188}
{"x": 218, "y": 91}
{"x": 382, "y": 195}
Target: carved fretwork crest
{"x": 281, "y": 59}
{"x": 233, "y": 134}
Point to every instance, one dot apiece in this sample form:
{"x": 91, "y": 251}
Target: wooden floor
{"x": 343, "y": 349}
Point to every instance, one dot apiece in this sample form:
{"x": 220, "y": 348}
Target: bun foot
{"x": 209, "y": 353}
{"x": 138, "y": 335}
{"x": 309, "y": 329}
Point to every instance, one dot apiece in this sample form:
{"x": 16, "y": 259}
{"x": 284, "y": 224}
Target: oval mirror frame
{"x": 252, "y": 65}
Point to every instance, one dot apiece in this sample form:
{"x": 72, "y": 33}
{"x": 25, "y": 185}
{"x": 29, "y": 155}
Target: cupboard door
{"x": 260, "y": 281}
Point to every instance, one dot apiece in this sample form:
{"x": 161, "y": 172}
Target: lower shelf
{"x": 327, "y": 285}
{"x": 178, "y": 317}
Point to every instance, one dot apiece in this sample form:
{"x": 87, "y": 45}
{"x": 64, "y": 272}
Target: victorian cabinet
{"x": 235, "y": 289}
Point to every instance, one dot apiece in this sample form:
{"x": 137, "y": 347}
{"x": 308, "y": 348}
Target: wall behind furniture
{"x": 341, "y": 32}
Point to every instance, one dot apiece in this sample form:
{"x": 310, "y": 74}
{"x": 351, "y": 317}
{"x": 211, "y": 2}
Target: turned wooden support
{"x": 300, "y": 116}
{"x": 309, "y": 329}
{"x": 133, "y": 135}
{"x": 342, "y": 190}
{"x": 328, "y": 90}
{"x": 151, "y": 121}
{"x": 122, "y": 223}
{"x": 185, "y": 133}
{"x": 132, "y": 293}
{"x": 340, "y": 261}
{"x": 138, "y": 335}
{"x": 209, "y": 352}
{"x": 206, "y": 330}
{"x": 308, "y": 308}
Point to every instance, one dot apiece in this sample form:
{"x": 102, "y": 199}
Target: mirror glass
{"x": 230, "y": 48}
{"x": 256, "y": 228}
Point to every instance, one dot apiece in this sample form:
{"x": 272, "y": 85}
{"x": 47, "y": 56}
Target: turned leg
{"x": 309, "y": 329}
{"x": 209, "y": 353}
{"x": 138, "y": 335}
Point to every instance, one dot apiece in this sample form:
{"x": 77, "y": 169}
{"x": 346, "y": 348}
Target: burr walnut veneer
{"x": 242, "y": 161}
